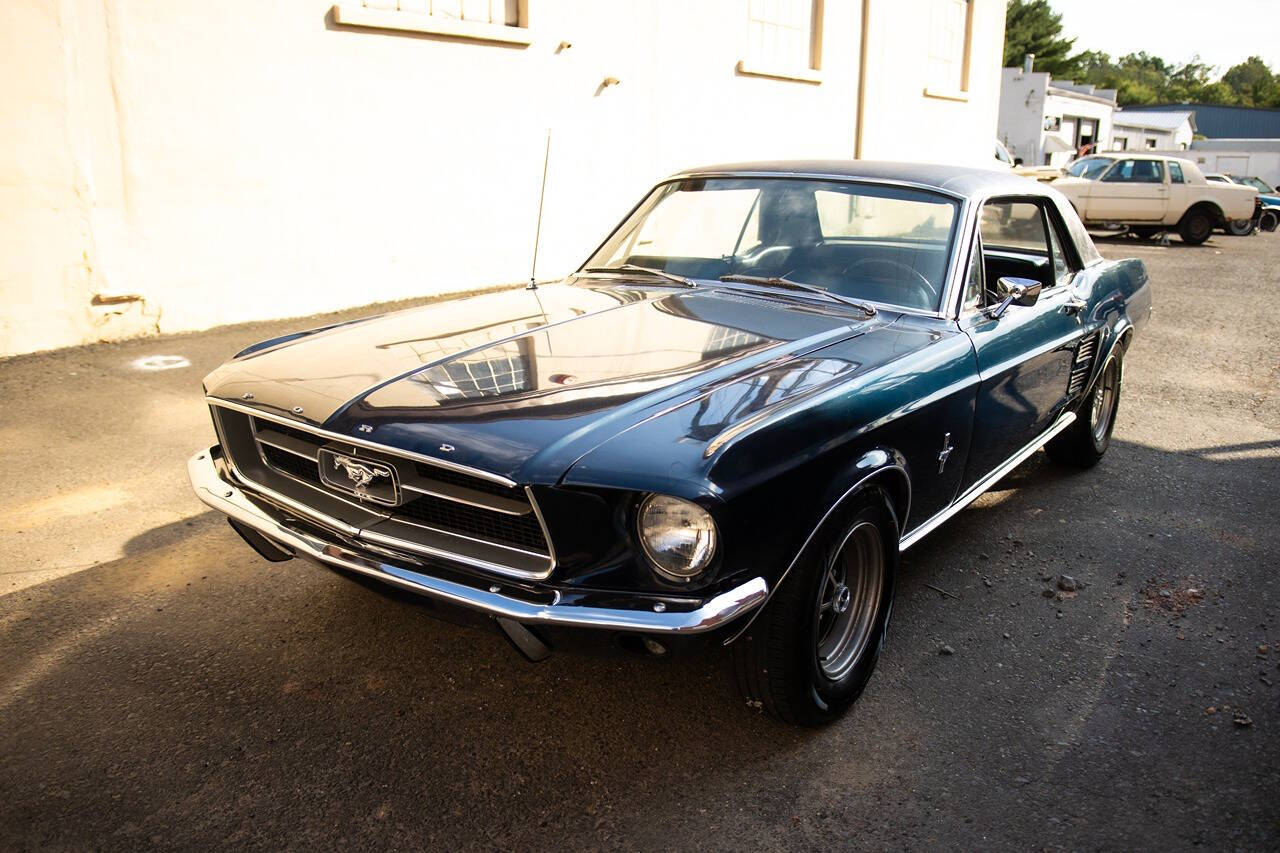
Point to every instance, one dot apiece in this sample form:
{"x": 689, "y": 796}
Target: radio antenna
{"x": 537, "y": 234}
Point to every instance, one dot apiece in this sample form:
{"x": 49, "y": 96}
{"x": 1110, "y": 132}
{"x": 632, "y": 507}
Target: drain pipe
{"x": 862, "y": 80}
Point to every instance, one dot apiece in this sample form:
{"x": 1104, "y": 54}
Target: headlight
{"x": 677, "y": 536}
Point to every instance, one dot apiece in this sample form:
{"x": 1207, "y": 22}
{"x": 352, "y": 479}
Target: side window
{"x": 1063, "y": 268}
{"x": 1015, "y": 225}
{"x": 1136, "y": 172}
{"x": 1175, "y": 173}
{"x": 973, "y": 284}
{"x": 1016, "y": 242}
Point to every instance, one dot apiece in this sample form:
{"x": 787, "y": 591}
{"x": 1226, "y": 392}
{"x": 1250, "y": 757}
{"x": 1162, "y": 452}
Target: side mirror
{"x": 1017, "y": 161}
{"x": 1019, "y": 291}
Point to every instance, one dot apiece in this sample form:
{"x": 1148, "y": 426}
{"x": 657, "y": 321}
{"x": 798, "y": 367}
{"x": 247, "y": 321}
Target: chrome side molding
{"x": 971, "y": 494}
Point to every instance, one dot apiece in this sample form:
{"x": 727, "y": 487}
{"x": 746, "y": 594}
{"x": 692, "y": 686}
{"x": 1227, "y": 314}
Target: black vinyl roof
{"x": 960, "y": 180}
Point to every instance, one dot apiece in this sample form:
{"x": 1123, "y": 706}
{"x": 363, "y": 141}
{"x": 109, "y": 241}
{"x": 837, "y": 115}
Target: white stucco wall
{"x": 900, "y": 121}
{"x": 244, "y": 160}
{"x": 1020, "y": 123}
{"x": 1242, "y": 160}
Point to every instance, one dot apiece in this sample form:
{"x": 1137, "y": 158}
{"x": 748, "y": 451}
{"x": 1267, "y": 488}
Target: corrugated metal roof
{"x": 1220, "y": 121}
{"x": 1154, "y": 120}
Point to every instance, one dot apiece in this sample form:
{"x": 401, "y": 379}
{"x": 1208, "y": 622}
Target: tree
{"x": 1253, "y": 84}
{"x": 1031, "y": 26}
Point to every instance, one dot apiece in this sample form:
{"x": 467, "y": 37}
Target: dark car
{"x": 770, "y": 380}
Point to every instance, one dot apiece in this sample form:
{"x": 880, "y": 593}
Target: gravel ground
{"x": 162, "y": 686}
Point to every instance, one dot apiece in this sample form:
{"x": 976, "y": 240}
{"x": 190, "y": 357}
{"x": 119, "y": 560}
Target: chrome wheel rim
{"x": 1104, "y": 401}
{"x": 849, "y": 599}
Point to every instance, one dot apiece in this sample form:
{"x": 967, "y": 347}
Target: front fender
{"x": 878, "y": 467}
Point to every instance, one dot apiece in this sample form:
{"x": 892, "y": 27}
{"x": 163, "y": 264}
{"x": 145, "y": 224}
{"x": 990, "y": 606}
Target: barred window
{"x": 950, "y": 29}
{"x": 501, "y": 12}
{"x": 784, "y": 34}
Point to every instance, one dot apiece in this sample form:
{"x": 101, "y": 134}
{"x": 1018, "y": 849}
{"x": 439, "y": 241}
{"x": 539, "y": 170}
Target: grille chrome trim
{"x": 499, "y": 505}
{"x": 372, "y": 445}
{"x": 700, "y": 614}
{"x": 285, "y": 443}
{"x": 384, "y": 513}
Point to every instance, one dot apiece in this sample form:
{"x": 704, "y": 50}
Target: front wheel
{"x": 1082, "y": 444}
{"x": 1240, "y": 227}
{"x": 809, "y": 655}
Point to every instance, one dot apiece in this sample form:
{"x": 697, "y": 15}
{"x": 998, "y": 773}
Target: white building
{"x": 1047, "y": 122}
{"x": 169, "y": 166}
{"x": 1258, "y": 158}
{"x": 1153, "y": 131}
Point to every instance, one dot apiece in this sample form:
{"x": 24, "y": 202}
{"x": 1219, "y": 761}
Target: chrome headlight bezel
{"x": 664, "y": 563}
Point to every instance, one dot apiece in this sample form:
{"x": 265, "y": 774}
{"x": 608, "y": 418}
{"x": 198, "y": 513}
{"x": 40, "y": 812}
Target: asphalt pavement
{"x": 162, "y": 686}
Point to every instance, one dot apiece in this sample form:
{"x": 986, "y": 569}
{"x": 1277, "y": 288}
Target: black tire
{"x": 1196, "y": 227}
{"x": 1083, "y": 443}
{"x": 1240, "y": 227}
{"x": 777, "y": 664}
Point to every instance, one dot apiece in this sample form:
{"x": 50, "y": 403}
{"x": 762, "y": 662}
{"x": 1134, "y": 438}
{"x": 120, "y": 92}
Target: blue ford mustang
{"x": 764, "y": 385}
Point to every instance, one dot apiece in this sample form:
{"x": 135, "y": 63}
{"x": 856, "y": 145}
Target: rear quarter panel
{"x": 1235, "y": 202}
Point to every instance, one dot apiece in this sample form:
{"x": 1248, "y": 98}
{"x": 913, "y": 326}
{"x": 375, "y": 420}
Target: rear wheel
{"x": 809, "y": 655}
{"x": 1084, "y": 442}
{"x": 1195, "y": 227}
{"x": 1240, "y": 227}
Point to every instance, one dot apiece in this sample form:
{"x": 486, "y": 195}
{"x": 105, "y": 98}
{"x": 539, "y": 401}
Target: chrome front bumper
{"x": 231, "y": 500}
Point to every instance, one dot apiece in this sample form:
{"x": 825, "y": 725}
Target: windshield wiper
{"x": 783, "y": 281}
{"x": 669, "y": 276}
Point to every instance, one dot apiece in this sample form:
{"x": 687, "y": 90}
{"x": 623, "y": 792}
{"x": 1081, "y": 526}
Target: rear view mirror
{"x": 1019, "y": 291}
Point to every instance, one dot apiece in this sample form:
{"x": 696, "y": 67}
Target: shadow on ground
{"x": 193, "y": 694}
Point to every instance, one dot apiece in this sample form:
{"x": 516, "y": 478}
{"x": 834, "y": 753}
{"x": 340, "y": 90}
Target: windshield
{"x": 1089, "y": 168}
{"x": 1257, "y": 183}
{"x": 875, "y": 243}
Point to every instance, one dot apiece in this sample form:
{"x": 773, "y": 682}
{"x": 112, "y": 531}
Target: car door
{"x": 1180, "y": 192}
{"x": 1025, "y": 354}
{"x": 1133, "y": 190}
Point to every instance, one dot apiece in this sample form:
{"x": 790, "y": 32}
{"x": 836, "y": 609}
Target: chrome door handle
{"x": 1074, "y": 306}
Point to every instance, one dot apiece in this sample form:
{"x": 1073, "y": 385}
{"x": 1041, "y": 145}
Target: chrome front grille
{"x": 438, "y": 511}
{"x": 1083, "y": 363}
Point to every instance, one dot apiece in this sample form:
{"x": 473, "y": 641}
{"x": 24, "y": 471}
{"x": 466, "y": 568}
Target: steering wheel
{"x": 892, "y": 271}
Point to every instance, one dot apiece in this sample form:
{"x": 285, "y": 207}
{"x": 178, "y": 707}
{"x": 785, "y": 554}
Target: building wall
{"x": 1147, "y": 138}
{"x": 1027, "y": 100}
{"x": 1259, "y": 161}
{"x": 900, "y": 121}
{"x": 1021, "y": 118}
{"x": 173, "y": 166}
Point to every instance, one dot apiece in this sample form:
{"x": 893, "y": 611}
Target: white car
{"x": 1151, "y": 194}
{"x": 1270, "y": 204}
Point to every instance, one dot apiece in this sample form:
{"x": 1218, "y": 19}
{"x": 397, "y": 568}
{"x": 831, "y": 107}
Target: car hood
{"x": 524, "y": 382}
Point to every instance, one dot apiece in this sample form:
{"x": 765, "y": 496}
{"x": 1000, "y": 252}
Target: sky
{"x": 1222, "y": 32}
